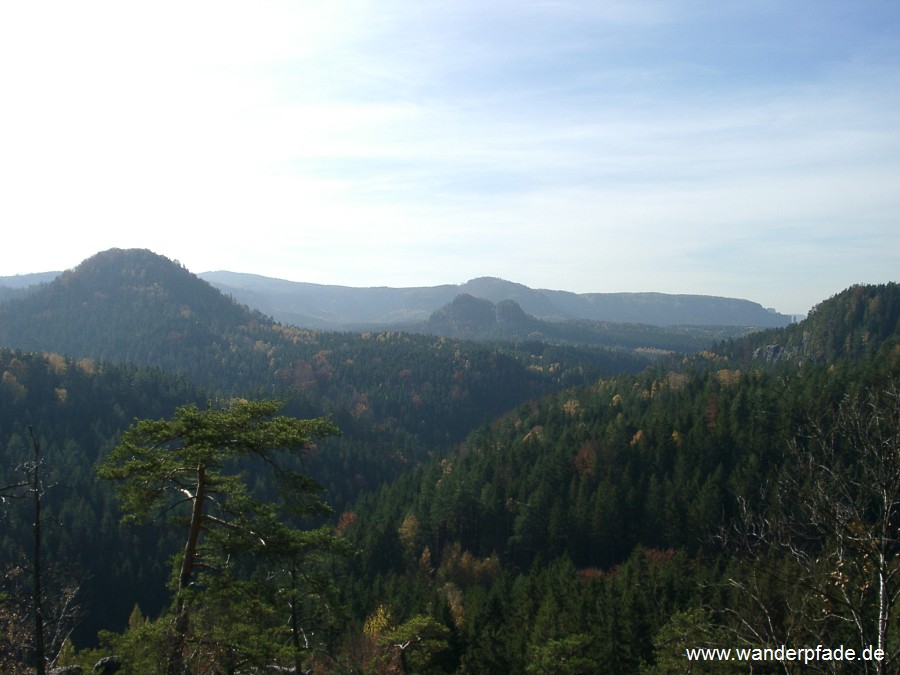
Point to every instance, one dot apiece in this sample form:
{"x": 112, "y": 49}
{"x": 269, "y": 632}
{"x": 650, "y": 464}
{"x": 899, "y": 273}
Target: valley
{"x": 518, "y": 485}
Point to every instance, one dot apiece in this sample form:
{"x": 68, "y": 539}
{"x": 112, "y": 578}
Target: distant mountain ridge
{"x": 139, "y": 308}
{"x": 469, "y": 318}
{"x": 332, "y": 307}
{"x": 20, "y": 285}
{"x": 26, "y": 280}
{"x": 339, "y": 307}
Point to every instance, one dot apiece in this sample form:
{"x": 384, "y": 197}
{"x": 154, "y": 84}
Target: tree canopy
{"x": 191, "y": 465}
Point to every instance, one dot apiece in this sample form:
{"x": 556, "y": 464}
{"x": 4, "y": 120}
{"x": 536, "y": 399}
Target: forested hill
{"x": 140, "y": 308}
{"x": 610, "y": 526}
{"x": 319, "y": 306}
{"x": 471, "y": 318}
{"x": 131, "y": 306}
{"x": 859, "y": 322}
{"x": 406, "y": 395}
{"x": 398, "y": 399}
{"x": 512, "y": 509}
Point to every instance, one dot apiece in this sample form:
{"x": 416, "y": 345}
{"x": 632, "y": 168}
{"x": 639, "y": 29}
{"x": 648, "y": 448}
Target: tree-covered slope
{"x": 652, "y": 477}
{"x": 131, "y": 306}
{"x": 398, "y": 399}
{"x": 856, "y": 323}
{"x": 136, "y": 307}
{"x": 580, "y": 524}
{"x": 77, "y": 409}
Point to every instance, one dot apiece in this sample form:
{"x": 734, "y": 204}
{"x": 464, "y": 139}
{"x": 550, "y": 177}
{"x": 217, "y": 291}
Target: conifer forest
{"x": 189, "y": 486}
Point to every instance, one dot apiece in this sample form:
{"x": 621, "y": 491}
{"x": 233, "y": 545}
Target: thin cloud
{"x": 673, "y": 146}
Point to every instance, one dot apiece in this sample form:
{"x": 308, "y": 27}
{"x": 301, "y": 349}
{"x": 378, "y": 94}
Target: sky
{"x": 743, "y": 149}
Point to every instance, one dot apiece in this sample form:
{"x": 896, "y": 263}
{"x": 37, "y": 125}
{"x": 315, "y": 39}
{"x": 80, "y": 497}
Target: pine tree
{"x": 191, "y": 463}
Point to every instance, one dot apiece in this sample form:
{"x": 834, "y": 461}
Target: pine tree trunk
{"x": 180, "y": 626}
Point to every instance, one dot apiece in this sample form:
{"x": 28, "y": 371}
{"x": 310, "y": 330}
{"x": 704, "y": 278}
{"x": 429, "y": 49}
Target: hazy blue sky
{"x": 748, "y": 149}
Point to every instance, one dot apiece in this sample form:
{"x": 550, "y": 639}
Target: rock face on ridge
{"x": 470, "y": 317}
{"x": 856, "y": 323}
